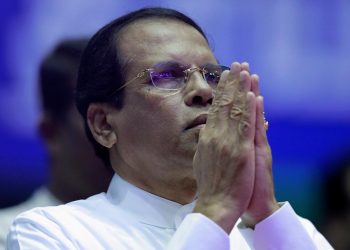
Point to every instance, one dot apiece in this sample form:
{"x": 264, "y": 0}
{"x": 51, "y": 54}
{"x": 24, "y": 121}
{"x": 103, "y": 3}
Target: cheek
{"x": 162, "y": 116}
{"x": 152, "y": 121}
{"x": 162, "y": 105}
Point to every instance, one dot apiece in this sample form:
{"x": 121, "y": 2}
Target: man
{"x": 187, "y": 141}
{"x": 74, "y": 171}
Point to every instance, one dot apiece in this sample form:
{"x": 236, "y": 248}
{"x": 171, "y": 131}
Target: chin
{"x": 190, "y": 140}
{"x": 189, "y": 153}
{"x": 190, "y": 184}
{"x": 186, "y": 148}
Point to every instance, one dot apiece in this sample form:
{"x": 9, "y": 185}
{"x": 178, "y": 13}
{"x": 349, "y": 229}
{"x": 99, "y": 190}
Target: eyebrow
{"x": 175, "y": 64}
{"x": 169, "y": 64}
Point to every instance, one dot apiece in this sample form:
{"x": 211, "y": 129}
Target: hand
{"x": 224, "y": 163}
{"x": 263, "y": 202}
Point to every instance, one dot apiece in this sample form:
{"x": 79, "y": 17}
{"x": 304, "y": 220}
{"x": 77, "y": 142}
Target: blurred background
{"x": 300, "y": 49}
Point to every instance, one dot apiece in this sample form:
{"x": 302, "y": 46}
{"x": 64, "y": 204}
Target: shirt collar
{"x": 146, "y": 207}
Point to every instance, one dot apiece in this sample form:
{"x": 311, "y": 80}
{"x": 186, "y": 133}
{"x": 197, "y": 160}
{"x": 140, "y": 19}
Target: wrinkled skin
{"x": 233, "y": 161}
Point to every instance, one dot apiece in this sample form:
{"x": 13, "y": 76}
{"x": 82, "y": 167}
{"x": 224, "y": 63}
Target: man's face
{"x": 156, "y": 132}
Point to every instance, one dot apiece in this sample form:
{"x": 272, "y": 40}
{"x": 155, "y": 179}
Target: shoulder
{"x": 66, "y": 211}
{"x": 54, "y": 224}
{"x": 83, "y": 223}
{"x": 7, "y": 216}
{"x": 40, "y": 197}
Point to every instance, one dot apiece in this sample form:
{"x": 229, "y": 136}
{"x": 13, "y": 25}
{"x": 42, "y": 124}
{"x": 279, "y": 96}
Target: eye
{"x": 212, "y": 77}
{"x": 164, "y": 74}
{"x": 168, "y": 77}
{"x": 212, "y": 73}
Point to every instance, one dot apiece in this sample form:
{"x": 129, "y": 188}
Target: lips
{"x": 199, "y": 120}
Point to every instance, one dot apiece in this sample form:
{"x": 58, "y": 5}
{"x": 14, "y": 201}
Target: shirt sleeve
{"x": 199, "y": 232}
{"x": 285, "y": 230}
{"x": 27, "y": 234}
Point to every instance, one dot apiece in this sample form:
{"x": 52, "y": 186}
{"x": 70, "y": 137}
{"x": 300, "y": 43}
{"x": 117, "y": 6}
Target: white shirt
{"x": 41, "y": 197}
{"x": 127, "y": 217}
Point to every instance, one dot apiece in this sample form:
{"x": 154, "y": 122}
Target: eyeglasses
{"x": 173, "y": 76}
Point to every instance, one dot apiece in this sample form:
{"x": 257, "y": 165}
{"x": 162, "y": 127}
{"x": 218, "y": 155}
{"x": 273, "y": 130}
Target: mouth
{"x": 198, "y": 121}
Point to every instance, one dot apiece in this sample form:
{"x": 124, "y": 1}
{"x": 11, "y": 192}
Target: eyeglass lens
{"x": 172, "y": 75}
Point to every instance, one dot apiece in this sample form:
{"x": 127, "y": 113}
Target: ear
{"x": 50, "y": 131}
{"x": 47, "y": 127}
{"x": 97, "y": 121}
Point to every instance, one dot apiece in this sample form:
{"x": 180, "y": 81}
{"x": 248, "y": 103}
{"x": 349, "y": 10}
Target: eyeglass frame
{"x": 187, "y": 72}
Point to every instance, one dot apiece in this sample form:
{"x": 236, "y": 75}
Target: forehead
{"x": 150, "y": 41}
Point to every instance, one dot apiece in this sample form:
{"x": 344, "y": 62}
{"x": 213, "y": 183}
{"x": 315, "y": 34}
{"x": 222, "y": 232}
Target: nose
{"x": 198, "y": 92}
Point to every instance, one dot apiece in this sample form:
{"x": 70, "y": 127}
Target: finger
{"x": 245, "y": 81}
{"x": 255, "y": 84}
{"x": 239, "y": 101}
{"x": 260, "y": 134}
{"x": 219, "y": 92}
{"x": 246, "y": 126}
{"x": 224, "y": 95}
{"x": 243, "y": 109}
{"x": 245, "y": 66}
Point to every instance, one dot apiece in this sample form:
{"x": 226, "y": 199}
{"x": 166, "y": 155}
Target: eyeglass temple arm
{"x": 141, "y": 74}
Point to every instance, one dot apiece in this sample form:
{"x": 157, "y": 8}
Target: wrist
{"x": 251, "y": 218}
{"x": 223, "y": 214}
